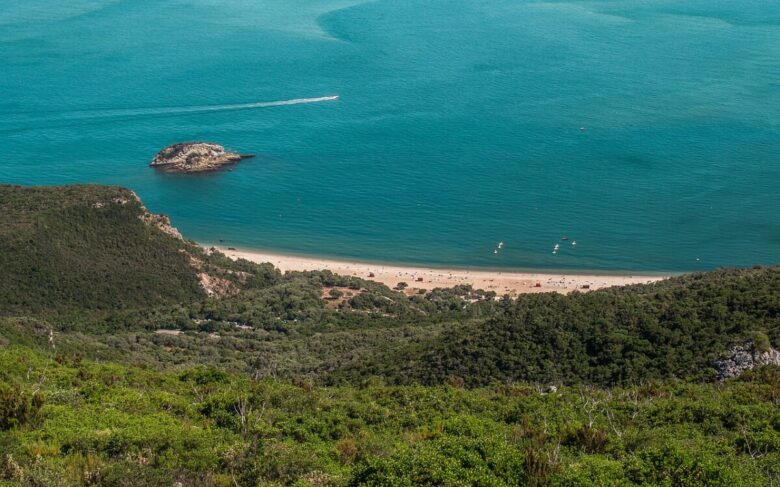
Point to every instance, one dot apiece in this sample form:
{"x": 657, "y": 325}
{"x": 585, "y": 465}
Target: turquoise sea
{"x": 646, "y": 130}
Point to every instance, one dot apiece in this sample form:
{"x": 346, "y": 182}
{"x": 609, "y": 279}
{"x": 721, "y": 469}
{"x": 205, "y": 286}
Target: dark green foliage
{"x": 85, "y": 248}
{"x": 56, "y": 240}
{"x": 675, "y": 328}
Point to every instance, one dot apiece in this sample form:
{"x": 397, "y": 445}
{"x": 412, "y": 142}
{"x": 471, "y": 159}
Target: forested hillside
{"x": 675, "y": 328}
{"x": 93, "y": 265}
{"x": 86, "y": 248}
{"x": 131, "y": 356}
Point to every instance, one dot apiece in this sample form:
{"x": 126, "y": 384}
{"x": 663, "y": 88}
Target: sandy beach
{"x": 512, "y": 283}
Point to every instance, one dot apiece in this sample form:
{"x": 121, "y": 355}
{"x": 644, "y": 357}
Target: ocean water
{"x": 648, "y": 131}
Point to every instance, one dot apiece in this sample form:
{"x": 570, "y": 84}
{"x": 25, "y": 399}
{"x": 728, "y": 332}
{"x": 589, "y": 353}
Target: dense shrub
{"x": 18, "y": 407}
{"x": 204, "y": 427}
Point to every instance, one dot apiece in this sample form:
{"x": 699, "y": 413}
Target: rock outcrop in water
{"x": 189, "y": 157}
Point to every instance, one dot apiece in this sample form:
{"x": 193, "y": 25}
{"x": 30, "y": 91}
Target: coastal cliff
{"x": 191, "y": 157}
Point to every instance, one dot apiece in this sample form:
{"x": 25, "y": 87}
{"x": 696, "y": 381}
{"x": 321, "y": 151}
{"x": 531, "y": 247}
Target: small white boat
{"x": 574, "y": 242}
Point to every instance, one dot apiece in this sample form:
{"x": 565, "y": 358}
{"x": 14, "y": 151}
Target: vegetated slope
{"x": 68, "y": 421}
{"x": 86, "y": 248}
{"x": 674, "y": 328}
{"x": 92, "y": 261}
{"x": 90, "y": 264}
{"x": 69, "y": 257}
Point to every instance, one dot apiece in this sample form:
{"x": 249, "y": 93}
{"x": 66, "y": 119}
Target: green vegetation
{"x": 85, "y": 248}
{"x": 675, "y": 328}
{"x": 105, "y": 424}
{"x": 129, "y": 356}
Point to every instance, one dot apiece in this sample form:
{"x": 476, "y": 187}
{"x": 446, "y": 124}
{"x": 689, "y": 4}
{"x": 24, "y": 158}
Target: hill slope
{"x": 675, "y": 328}
{"x": 86, "y": 271}
{"x": 92, "y": 260}
{"x": 75, "y": 422}
{"x": 87, "y": 247}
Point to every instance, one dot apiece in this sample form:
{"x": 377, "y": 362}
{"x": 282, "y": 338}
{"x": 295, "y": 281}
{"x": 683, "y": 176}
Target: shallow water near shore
{"x": 648, "y": 133}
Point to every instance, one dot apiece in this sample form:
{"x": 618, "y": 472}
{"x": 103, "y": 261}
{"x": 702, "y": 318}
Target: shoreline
{"x": 426, "y": 278}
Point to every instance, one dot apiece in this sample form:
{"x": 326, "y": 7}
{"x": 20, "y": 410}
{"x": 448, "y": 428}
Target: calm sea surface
{"x": 647, "y": 131}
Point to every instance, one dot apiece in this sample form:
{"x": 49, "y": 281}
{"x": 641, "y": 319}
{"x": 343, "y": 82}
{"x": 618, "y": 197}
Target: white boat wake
{"x": 134, "y": 112}
{"x": 76, "y": 115}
